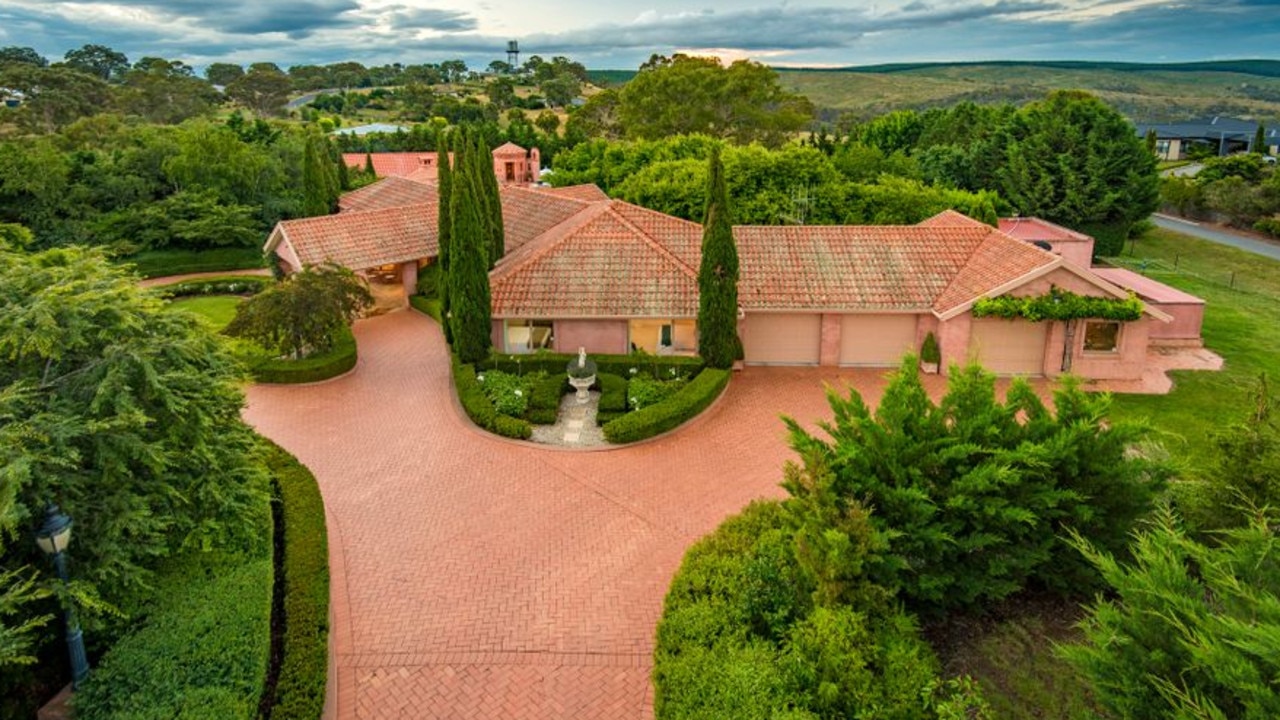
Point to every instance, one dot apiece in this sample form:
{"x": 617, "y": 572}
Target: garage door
{"x": 876, "y": 339}
{"x": 1009, "y": 347}
{"x": 782, "y": 339}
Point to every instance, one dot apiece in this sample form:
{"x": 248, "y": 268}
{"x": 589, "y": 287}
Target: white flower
{"x": 519, "y": 394}
{"x": 480, "y": 377}
{"x": 673, "y": 372}
{"x": 633, "y": 372}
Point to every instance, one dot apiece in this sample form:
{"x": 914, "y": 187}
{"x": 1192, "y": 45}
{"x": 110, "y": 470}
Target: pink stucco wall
{"x": 829, "y": 344}
{"x": 1187, "y": 320}
{"x": 1127, "y": 363}
{"x": 597, "y": 336}
{"x": 953, "y": 340}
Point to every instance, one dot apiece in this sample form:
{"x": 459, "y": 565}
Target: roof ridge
{"x": 550, "y": 238}
{"x": 967, "y": 261}
{"x": 544, "y": 195}
{"x": 652, "y": 241}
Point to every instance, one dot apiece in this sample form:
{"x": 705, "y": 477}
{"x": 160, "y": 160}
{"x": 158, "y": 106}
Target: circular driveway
{"x": 478, "y": 577}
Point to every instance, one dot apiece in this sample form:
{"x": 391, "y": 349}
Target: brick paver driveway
{"x": 476, "y": 577}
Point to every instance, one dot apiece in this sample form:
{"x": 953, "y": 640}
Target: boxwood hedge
{"x": 479, "y": 408}
{"x": 544, "y": 403}
{"x": 201, "y": 652}
{"x": 310, "y": 369}
{"x": 304, "y": 658}
{"x": 670, "y": 413}
{"x": 427, "y": 306}
{"x": 222, "y": 285}
{"x": 621, "y": 365}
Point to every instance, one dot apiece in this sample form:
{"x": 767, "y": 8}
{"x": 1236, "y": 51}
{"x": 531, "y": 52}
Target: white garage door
{"x": 1009, "y": 347}
{"x": 784, "y": 339}
{"x": 876, "y": 339}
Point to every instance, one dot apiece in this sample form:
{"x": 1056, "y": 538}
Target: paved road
{"x": 478, "y": 577}
{"x": 1243, "y": 242}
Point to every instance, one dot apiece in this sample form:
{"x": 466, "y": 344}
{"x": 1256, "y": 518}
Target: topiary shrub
{"x": 544, "y": 399}
{"x": 692, "y": 399}
{"x": 929, "y": 352}
{"x": 304, "y": 663}
{"x": 613, "y": 393}
{"x": 315, "y": 368}
{"x": 480, "y": 409}
{"x": 228, "y": 285}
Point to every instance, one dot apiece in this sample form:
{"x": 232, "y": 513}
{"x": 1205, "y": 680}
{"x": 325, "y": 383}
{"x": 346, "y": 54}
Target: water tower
{"x": 513, "y": 54}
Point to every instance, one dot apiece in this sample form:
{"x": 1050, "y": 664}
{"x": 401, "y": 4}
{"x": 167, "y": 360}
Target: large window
{"x": 526, "y": 336}
{"x": 665, "y": 337}
{"x": 1101, "y": 337}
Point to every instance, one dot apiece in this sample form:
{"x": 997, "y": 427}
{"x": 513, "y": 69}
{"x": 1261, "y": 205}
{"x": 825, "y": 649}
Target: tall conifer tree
{"x": 470, "y": 301}
{"x": 718, "y": 341}
{"x": 444, "y": 227}
{"x": 492, "y": 200}
{"x": 319, "y": 177}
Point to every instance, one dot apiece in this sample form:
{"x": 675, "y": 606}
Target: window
{"x": 526, "y": 336}
{"x": 1101, "y": 336}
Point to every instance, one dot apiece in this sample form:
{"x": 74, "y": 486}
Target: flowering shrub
{"x": 643, "y": 390}
{"x": 508, "y": 393}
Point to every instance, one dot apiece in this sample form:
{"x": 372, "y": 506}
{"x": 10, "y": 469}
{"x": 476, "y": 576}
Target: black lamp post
{"x": 53, "y": 537}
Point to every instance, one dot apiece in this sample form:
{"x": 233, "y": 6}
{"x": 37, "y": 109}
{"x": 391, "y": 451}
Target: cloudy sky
{"x": 623, "y": 33}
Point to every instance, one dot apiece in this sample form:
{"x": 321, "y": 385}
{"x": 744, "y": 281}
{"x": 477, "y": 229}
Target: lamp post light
{"x": 53, "y": 537}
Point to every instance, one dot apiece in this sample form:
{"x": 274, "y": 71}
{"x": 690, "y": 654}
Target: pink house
{"x": 583, "y": 270}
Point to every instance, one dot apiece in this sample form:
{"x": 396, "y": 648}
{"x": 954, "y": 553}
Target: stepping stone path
{"x": 575, "y": 425}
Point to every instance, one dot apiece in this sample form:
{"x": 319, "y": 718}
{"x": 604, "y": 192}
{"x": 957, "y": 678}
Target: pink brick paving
{"x": 475, "y": 577}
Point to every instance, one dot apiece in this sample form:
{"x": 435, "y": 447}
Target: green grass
{"x": 215, "y": 310}
{"x": 1239, "y": 324}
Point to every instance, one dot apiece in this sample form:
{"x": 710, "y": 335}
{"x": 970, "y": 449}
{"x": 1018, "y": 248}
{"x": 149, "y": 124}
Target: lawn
{"x": 215, "y": 310}
{"x": 1243, "y": 295}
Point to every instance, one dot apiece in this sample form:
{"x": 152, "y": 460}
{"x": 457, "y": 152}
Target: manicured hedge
{"x": 670, "y": 413}
{"x": 544, "y": 403}
{"x": 479, "y": 408}
{"x": 613, "y": 392}
{"x": 310, "y": 369}
{"x": 159, "y": 263}
{"x": 427, "y": 306}
{"x": 300, "y": 687}
{"x": 200, "y": 653}
{"x": 554, "y": 363}
{"x": 225, "y": 285}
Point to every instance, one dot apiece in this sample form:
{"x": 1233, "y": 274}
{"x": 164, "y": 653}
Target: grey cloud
{"x": 401, "y": 17}
{"x": 294, "y": 18}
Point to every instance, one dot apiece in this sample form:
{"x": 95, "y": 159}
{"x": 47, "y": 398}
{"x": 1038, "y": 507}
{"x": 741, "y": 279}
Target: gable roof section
{"x": 361, "y": 240}
{"x": 527, "y": 213}
{"x": 386, "y": 193}
{"x": 599, "y": 263}
{"x": 997, "y": 265}
{"x": 585, "y": 192}
{"x": 950, "y": 218}
{"x": 387, "y": 164}
{"x": 851, "y": 267}
{"x": 509, "y": 148}
{"x": 1031, "y": 229}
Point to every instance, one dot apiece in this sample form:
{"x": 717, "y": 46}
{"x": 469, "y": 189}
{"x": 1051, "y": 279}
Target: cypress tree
{"x": 319, "y": 178}
{"x": 470, "y": 301}
{"x": 718, "y": 341}
{"x": 344, "y": 174}
{"x": 1260, "y": 139}
{"x": 444, "y": 228}
{"x": 492, "y": 200}
{"x": 368, "y": 165}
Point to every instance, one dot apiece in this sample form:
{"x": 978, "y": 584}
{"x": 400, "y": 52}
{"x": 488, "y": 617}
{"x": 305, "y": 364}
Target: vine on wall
{"x": 1059, "y": 304}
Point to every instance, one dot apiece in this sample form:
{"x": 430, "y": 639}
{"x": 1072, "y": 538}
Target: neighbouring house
{"x": 511, "y": 163}
{"x": 583, "y": 270}
{"x": 1223, "y": 135}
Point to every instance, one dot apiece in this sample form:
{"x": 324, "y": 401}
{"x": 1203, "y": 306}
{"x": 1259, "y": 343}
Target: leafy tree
{"x": 187, "y": 219}
{"x": 897, "y": 131}
{"x": 470, "y": 241}
{"x": 1187, "y": 630}
{"x": 15, "y": 237}
{"x": 223, "y": 74}
{"x": 319, "y": 177}
{"x": 454, "y": 71}
{"x": 302, "y": 315}
{"x": 23, "y": 55}
{"x": 597, "y": 118}
{"x": 684, "y": 94}
{"x": 1074, "y": 160}
{"x": 1247, "y": 473}
{"x": 502, "y": 93}
{"x": 98, "y": 60}
{"x": 718, "y": 341}
{"x": 55, "y": 96}
{"x": 165, "y": 91}
{"x": 263, "y": 89}
{"x": 548, "y": 122}
{"x": 18, "y": 590}
{"x": 126, "y": 415}
{"x": 561, "y": 89}
{"x": 971, "y": 493}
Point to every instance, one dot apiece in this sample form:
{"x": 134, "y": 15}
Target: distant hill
{"x": 1145, "y": 92}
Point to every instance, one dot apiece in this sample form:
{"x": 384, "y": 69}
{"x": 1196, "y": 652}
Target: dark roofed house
{"x": 1223, "y": 135}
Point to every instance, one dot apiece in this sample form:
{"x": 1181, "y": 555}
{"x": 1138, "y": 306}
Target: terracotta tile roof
{"x": 996, "y": 262}
{"x": 1032, "y": 229}
{"x": 951, "y": 218}
{"x": 599, "y": 263}
{"x": 386, "y": 193}
{"x": 510, "y": 148}
{"x": 850, "y": 267}
{"x": 360, "y": 240}
{"x": 528, "y": 213}
{"x": 1146, "y": 288}
{"x": 585, "y": 193}
{"x": 425, "y": 174}
{"x": 391, "y": 163}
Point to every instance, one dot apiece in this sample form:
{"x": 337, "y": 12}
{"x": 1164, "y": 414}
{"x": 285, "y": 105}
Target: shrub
{"x": 621, "y": 365}
{"x": 429, "y": 281}
{"x": 201, "y": 652}
{"x": 644, "y": 391}
{"x": 228, "y": 285}
{"x": 613, "y": 393}
{"x": 508, "y": 393}
{"x": 929, "y": 352}
{"x": 309, "y": 369}
{"x": 303, "y": 314}
{"x": 1270, "y": 225}
{"x": 657, "y": 419}
{"x": 159, "y": 263}
{"x": 544, "y": 398}
{"x": 427, "y": 306}
{"x": 478, "y": 407}
{"x": 300, "y": 687}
